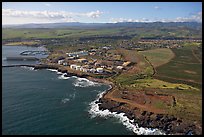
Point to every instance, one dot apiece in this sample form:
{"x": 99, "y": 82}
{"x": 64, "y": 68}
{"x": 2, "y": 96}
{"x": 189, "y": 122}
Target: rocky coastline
{"x": 167, "y": 123}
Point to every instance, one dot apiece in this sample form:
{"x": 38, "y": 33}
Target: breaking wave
{"x": 65, "y": 100}
{"x": 83, "y": 82}
{"x": 129, "y": 124}
{"x": 63, "y": 76}
{"x": 54, "y": 70}
{"x": 30, "y": 68}
{"x": 69, "y": 98}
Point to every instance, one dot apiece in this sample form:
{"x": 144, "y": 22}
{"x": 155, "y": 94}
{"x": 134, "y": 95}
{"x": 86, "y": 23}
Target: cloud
{"x": 47, "y": 4}
{"x": 116, "y": 20}
{"x": 193, "y": 18}
{"x": 95, "y": 14}
{"x": 50, "y": 15}
{"x": 196, "y": 18}
{"x": 156, "y": 7}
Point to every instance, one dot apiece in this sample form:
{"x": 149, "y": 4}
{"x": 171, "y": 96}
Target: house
{"x": 71, "y": 58}
{"x": 60, "y": 62}
{"x": 120, "y": 67}
{"x": 78, "y": 67}
{"x": 82, "y": 60}
{"x": 81, "y": 68}
{"x": 65, "y": 63}
{"x": 99, "y": 70}
{"x": 73, "y": 66}
{"x": 92, "y": 70}
{"x": 97, "y": 64}
{"x": 84, "y": 70}
{"x": 127, "y": 63}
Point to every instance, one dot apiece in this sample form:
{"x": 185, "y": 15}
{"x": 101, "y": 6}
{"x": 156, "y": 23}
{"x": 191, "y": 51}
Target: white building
{"x": 92, "y": 70}
{"x": 65, "y": 63}
{"x": 78, "y": 67}
{"x": 73, "y": 66}
{"x": 99, "y": 70}
{"x": 119, "y": 67}
{"x": 81, "y": 69}
{"x": 60, "y": 62}
{"x": 85, "y": 70}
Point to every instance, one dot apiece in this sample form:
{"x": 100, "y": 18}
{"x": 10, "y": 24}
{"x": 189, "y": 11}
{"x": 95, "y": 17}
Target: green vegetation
{"x": 159, "y": 56}
{"x": 184, "y": 67}
{"x": 144, "y": 31}
{"x": 155, "y": 83}
{"x": 29, "y": 43}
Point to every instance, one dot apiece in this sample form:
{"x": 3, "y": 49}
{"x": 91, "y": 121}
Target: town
{"x": 105, "y": 61}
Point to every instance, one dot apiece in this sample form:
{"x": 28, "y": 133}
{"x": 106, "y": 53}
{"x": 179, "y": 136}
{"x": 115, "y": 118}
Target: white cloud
{"x": 50, "y": 15}
{"x": 115, "y": 20}
{"x": 194, "y": 18}
{"x": 47, "y": 4}
{"x": 156, "y": 7}
{"x": 95, "y": 14}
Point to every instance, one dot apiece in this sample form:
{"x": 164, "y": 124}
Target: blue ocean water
{"x": 44, "y": 102}
{"x": 40, "y": 102}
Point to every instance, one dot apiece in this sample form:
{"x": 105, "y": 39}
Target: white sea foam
{"x": 83, "y": 82}
{"x": 59, "y": 73}
{"x": 69, "y": 98}
{"x": 54, "y": 70}
{"x": 65, "y": 100}
{"x": 30, "y": 68}
{"x": 94, "y": 111}
{"x": 63, "y": 76}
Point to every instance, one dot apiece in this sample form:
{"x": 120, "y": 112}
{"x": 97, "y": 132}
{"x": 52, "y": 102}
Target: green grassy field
{"x": 56, "y": 33}
{"x": 140, "y": 70}
{"x": 155, "y": 83}
{"x": 159, "y": 56}
{"x": 151, "y": 32}
{"x": 184, "y": 67}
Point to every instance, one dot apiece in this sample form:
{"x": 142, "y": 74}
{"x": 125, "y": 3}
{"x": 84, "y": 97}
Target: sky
{"x": 100, "y": 12}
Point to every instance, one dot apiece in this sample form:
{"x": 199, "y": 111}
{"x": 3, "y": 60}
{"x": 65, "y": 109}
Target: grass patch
{"x": 22, "y": 43}
{"x": 155, "y": 83}
{"x": 176, "y": 68}
{"x": 158, "y": 57}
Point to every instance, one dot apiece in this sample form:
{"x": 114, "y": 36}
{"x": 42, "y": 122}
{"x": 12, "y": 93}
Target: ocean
{"x": 44, "y": 102}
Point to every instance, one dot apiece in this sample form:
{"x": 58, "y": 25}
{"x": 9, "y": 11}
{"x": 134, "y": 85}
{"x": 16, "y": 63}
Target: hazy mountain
{"x": 194, "y": 25}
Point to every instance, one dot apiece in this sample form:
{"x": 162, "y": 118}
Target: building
{"x": 92, "y": 70}
{"x": 65, "y": 63}
{"x": 85, "y": 70}
{"x": 97, "y": 64}
{"x": 78, "y": 67}
{"x": 99, "y": 70}
{"x": 127, "y": 63}
{"x": 82, "y": 60}
{"x": 73, "y": 66}
{"x": 60, "y": 62}
{"x": 120, "y": 67}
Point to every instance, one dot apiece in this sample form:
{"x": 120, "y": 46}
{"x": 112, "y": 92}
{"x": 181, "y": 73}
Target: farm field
{"x": 159, "y": 56}
{"x": 184, "y": 67}
{"x": 181, "y": 83}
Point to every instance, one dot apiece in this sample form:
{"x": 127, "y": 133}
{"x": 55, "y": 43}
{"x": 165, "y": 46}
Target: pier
{"x": 33, "y": 53}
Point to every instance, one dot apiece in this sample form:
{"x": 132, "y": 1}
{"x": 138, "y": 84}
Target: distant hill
{"x": 194, "y": 25}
